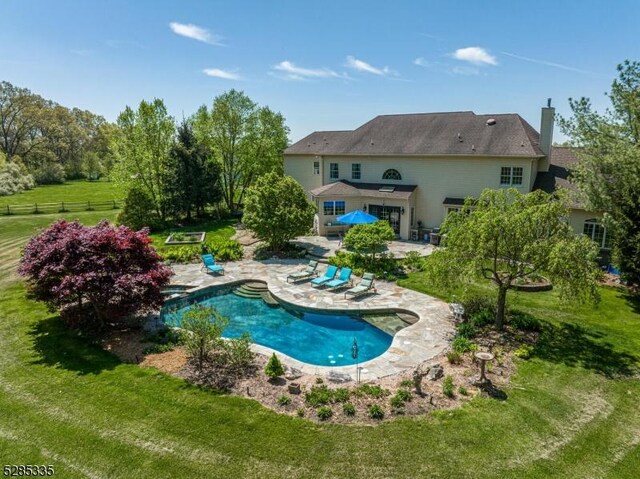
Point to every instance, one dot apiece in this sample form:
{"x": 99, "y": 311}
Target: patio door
{"x": 388, "y": 213}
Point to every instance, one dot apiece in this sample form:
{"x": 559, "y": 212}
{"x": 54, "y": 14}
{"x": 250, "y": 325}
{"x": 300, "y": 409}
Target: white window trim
{"x": 594, "y": 222}
{"x": 511, "y": 176}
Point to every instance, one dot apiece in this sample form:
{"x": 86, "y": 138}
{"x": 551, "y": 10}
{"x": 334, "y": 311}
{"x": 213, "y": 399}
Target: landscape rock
{"x": 339, "y": 378}
{"x": 292, "y": 374}
{"x": 435, "y": 372}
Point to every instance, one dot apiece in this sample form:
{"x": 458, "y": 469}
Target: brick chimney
{"x": 546, "y": 134}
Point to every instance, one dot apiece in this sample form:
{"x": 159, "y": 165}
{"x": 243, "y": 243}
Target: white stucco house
{"x": 412, "y": 169}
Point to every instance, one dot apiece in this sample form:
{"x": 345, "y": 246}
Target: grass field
{"x": 572, "y": 410}
{"x": 79, "y": 190}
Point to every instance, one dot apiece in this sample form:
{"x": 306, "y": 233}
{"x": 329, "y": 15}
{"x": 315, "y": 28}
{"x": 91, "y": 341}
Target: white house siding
{"x": 435, "y": 177}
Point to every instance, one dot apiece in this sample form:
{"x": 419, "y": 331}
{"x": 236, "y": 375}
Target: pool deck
{"x": 411, "y": 346}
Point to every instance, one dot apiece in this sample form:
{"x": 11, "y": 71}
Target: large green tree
{"x": 246, "y": 140}
{"x": 141, "y": 147}
{"x": 369, "y": 238}
{"x": 506, "y": 236}
{"x": 193, "y": 178}
{"x": 277, "y": 210}
{"x": 20, "y": 117}
{"x": 608, "y": 173}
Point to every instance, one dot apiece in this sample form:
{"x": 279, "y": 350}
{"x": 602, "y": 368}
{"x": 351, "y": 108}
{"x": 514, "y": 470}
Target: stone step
{"x": 254, "y": 287}
{"x": 269, "y": 299}
{"x": 247, "y": 294}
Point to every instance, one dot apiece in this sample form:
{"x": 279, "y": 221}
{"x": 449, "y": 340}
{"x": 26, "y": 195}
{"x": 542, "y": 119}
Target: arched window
{"x": 391, "y": 175}
{"x": 598, "y": 233}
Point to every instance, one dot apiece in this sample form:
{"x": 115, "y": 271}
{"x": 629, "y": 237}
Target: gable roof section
{"x": 428, "y": 134}
{"x": 558, "y": 176}
{"x": 349, "y": 189}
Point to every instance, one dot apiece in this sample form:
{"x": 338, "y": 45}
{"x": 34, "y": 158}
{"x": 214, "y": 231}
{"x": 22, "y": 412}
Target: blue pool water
{"x": 315, "y": 338}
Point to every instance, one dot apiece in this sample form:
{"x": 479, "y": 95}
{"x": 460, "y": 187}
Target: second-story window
{"x": 355, "y": 171}
{"x": 334, "y": 173}
{"x": 391, "y": 174}
{"x": 316, "y": 167}
{"x": 511, "y": 175}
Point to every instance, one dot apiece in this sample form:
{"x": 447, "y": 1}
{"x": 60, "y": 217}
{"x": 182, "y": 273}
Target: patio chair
{"x": 365, "y": 286}
{"x": 209, "y": 264}
{"x": 328, "y": 276}
{"x": 343, "y": 280}
{"x": 306, "y": 274}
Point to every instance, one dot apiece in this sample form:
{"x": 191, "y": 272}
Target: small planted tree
{"x": 277, "y": 210}
{"x": 274, "y": 368}
{"x": 95, "y": 276}
{"x": 203, "y": 327}
{"x": 506, "y": 236}
{"x": 369, "y": 239}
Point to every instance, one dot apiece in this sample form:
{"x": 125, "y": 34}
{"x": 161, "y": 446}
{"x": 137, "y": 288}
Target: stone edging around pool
{"x": 410, "y": 346}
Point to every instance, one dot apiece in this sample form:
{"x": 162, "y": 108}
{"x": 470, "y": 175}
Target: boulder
{"x": 292, "y": 374}
{"x": 435, "y": 372}
{"x": 339, "y": 377}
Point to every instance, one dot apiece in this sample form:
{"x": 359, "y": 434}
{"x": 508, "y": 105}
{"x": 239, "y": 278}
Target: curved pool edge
{"x": 414, "y": 344}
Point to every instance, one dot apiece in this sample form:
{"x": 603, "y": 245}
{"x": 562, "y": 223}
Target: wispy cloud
{"x": 474, "y": 55}
{"x": 547, "y": 63}
{"x": 444, "y": 67}
{"x": 82, "y": 52}
{"x": 421, "y": 62}
{"x": 365, "y": 67}
{"x": 294, "y": 72}
{"x": 219, "y": 73}
{"x": 196, "y": 33}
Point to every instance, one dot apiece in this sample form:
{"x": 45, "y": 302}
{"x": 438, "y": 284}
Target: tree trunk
{"x": 502, "y": 303}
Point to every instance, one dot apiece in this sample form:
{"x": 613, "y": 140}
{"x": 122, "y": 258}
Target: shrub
{"x": 382, "y": 266}
{"x": 96, "y": 276}
{"x": 203, "y": 328}
{"x": 413, "y": 261}
{"x": 523, "y": 352}
{"x": 448, "y": 388}
{"x": 319, "y": 396}
{"x": 289, "y": 250}
{"x": 466, "y": 330}
{"x": 474, "y": 304}
{"x": 300, "y": 412}
{"x": 406, "y": 383}
{"x": 483, "y": 318}
{"x": 369, "y": 238}
{"x": 454, "y": 357}
{"x": 396, "y": 402}
{"x": 138, "y": 211}
{"x": 223, "y": 250}
{"x": 159, "y": 348}
{"x": 349, "y": 409}
{"x": 341, "y": 395}
{"x": 274, "y": 368}
{"x": 403, "y": 394}
{"x": 319, "y": 380}
{"x": 237, "y": 354}
{"x": 49, "y": 173}
{"x": 284, "y": 400}
{"x": 181, "y": 254}
{"x": 14, "y": 179}
{"x": 373, "y": 390}
{"x": 462, "y": 345}
{"x": 375, "y": 411}
{"x": 324, "y": 413}
{"x": 524, "y": 321}
{"x": 462, "y": 390}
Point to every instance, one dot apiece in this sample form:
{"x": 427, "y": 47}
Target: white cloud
{"x": 195, "y": 32}
{"x": 363, "y": 66}
{"x": 294, "y": 72}
{"x": 475, "y": 55}
{"x": 547, "y": 63}
{"x": 219, "y": 73}
{"x": 421, "y": 62}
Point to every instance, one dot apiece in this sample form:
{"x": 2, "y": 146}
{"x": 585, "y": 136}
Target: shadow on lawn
{"x": 59, "y": 347}
{"x": 574, "y": 345}
{"x": 633, "y": 300}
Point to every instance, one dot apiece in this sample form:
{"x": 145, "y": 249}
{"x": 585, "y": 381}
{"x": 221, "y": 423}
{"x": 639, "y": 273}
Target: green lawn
{"x": 79, "y": 190}
{"x": 215, "y": 229}
{"x": 70, "y": 404}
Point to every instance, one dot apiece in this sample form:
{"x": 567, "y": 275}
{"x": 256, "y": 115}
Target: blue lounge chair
{"x": 365, "y": 286}
{"x": 309, "y": 272}
{"x": 343, "y": 280}
{"x": 328, "y": 276}
{"x": 209, "y": 264}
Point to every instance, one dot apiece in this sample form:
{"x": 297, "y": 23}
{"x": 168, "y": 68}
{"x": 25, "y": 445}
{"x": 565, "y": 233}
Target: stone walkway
{"x": 323, "y": 247}
{"x": 412, "y": 345}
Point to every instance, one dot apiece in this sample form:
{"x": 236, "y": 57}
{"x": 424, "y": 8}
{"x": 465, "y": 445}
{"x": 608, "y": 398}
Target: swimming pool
{"x": 318, "y": 338}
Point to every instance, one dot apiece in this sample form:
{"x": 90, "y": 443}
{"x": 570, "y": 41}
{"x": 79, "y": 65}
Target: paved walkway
{"x": 323, "y": 247}
{"x": 412, "y": 345}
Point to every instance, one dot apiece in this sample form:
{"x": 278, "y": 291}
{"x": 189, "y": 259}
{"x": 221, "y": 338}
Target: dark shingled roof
{"x": 348, "y": 188}
{"x": 561, "y": 161}
{"x": 428, "y": 134}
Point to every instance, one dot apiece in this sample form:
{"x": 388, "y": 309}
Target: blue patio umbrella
{"x": 357, "y": 217}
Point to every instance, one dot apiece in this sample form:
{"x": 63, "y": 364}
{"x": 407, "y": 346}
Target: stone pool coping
{"x": 411, "y": 346}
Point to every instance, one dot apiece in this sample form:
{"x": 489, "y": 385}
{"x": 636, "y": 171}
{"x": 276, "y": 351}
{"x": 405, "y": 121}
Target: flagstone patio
{"x": 411, "y": 346}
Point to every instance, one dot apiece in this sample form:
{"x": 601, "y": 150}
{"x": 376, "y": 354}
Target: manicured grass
{"x": 68, "y": 403}
{"x": 79, "y": 190}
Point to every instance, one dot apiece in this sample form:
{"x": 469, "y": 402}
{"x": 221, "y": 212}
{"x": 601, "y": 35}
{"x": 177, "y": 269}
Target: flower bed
{"x": 185, "y": 238}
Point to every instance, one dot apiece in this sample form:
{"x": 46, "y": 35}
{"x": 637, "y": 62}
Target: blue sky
{"x": 326, "y": 65}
